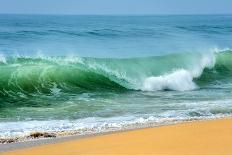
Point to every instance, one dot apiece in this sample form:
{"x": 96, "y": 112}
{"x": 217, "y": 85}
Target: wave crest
{"x": 180, "y": 79}
{"x": 181, "y": 72}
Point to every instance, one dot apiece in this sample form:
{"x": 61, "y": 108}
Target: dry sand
{"x": 197, "y": 138}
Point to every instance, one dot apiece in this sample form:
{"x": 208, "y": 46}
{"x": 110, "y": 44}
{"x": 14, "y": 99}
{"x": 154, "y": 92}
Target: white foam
{"x": 180, "y": 79}
{"x": 92, "y": 125}
{"x": 206, "y": 61}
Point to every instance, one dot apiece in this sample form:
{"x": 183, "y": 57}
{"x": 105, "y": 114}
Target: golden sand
{"x": 196, "y": 138}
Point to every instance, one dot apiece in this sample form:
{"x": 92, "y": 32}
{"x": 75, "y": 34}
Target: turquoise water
{"x": 95, "y": 73}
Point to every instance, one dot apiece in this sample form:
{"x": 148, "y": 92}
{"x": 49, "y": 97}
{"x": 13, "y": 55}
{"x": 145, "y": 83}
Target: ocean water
{"x": 96, "y": 73}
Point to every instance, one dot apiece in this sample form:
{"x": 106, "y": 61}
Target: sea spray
{"x": 180, "y": 79}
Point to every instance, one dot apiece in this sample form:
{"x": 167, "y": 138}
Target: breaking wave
{"x": 181, "y": 72}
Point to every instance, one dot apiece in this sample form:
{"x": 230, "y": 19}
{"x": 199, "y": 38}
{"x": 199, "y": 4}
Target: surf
{"x": 178, "y": 72}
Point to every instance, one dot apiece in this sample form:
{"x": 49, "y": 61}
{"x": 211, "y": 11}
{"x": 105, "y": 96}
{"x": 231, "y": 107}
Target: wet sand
{"x": 213, "y": 137}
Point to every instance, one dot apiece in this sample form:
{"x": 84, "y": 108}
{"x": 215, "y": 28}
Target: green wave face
{"x": 220, "y": 73}
{"x": 46, "y": 75}
{"x": 28, "y": 75}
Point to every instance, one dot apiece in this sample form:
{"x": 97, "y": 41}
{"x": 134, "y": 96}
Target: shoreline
{"x": 54, "y": 135}
{"x": 40, "y": 143}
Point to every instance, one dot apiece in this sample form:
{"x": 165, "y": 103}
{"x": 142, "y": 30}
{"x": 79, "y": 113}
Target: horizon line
{"x": 145, "y": 14}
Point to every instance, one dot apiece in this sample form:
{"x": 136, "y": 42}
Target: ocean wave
{"x": 181, "y": 72}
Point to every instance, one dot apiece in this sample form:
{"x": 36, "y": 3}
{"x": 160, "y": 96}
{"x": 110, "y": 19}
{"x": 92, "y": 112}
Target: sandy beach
{"x": 211, "y": 137}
